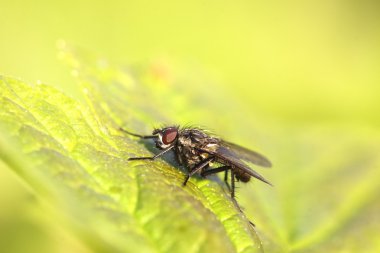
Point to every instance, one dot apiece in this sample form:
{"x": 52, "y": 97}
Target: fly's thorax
{"x": 189, "y": 146}
{"x": 187, "y": 152}
{"x": 211, "y": 146}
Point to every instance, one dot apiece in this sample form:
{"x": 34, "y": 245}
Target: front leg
{"x": 138, "y": 135}
{"x": 153, "y": 157}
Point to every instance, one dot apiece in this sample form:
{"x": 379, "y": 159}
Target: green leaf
{"x": 326, "y": 174}
{"x": 325, "y": 197}
{"x": 75, "y": 158}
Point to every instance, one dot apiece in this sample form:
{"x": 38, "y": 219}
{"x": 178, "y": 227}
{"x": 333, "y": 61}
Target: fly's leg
{"x": 217, "y": 170}
{"x": 233, "y": 196}
{"x": 226, "y": 180}
{"x": 153, "y": 157}
{"x": 204, "y": 169}
{"x": 145, "y": 137}
{"x": 198, "y": 168}
{"x": 233, "y": 190}
{"x": 233, "y": 187}
{"x": 138, "y": 135}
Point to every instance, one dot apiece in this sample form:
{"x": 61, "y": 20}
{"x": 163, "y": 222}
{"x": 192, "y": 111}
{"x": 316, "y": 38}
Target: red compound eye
{"x": 169, "y": 135}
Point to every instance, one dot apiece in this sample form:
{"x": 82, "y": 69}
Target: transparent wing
{"x": 227, "y": 157}
{"x": 246, "y": 154}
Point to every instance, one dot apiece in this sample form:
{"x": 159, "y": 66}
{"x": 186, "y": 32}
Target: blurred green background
{"x": 307, "y": 60}
{"x": 293, "y": 62}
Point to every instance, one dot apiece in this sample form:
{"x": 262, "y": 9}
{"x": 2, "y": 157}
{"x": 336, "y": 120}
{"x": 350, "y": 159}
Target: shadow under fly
{"x": 197, "y": 150}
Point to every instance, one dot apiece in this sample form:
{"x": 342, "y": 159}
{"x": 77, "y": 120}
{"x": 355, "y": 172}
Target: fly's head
{"x": 166, "y": 136}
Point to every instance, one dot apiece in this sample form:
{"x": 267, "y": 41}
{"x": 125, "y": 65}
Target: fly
{"x": 197, "y": 150}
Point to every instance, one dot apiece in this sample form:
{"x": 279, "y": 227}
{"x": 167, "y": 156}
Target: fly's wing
{"x": 228, "y": 157}
{"x": 247, "y": 155}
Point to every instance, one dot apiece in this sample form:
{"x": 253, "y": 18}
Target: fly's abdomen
{"x": 242, "y": 176}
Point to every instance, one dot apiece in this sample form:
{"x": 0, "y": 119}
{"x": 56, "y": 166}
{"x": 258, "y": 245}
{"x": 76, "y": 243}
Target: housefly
{"x": 197, "y": 151}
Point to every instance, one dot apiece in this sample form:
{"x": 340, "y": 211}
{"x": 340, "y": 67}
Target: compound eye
{"x": 169, "y": 135}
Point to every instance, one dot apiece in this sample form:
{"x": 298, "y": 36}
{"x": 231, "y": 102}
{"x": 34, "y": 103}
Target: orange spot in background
{"x": 161, "y": 72}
